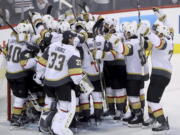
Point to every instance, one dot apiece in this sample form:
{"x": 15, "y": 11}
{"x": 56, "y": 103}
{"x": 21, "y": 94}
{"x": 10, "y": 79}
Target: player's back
{"x": 14, "y": 48}
{"x": 59, "y": 57}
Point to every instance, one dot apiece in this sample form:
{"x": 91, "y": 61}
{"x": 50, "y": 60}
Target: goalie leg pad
{"x": 46, "y": 119}
{"x": 156, "y": 88}
{"x": 64, "y": 116}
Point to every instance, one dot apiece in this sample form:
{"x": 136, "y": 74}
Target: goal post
{"x": 5, "y": 92}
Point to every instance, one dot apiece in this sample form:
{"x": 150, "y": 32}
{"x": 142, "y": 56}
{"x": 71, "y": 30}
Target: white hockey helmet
{"x": 157, "y": 23}
{"x": 123, "y": 26}
{"x": 64, "y": 26}
{"x": 163, "y": 30}
{"x": 110, "y": 21}
{"x": 22, "y": 28}
{"x": 131, "y": 28}
{"x": 52, "y": 25}
{"x": 144, "y": 28}
{"x": 36, "y": 18}
{"x": 47, "y": 18}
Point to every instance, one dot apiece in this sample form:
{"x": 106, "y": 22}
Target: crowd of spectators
{"x": 16, "y": 10}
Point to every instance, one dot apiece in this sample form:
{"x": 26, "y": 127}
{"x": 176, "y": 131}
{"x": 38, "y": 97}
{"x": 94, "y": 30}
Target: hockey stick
{"x": 70, "y": 6}
{"x": 1, "y": 49}
{"x": 30, "y": 20}
{"x": 8, "y": 24}
{"x": 33, "y": 101}
{"x": 89, "y": 52}
{"x": 98, "y": 27}
{"x": 83, "y": 7}
{"x": 141, "y": 51}
{"x": 93, "y": 60}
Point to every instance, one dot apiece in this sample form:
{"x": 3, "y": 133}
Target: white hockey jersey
{"x": 61, "y": 63}
{"x": 14, "y": 69}
{"x": 56, "y": 37}
{"x": 162, "y": 51}
{"x": 89, "y": 64}
{"x": 113, "y": 43}
{"x": 134, "y": 68}
{"x": 160, "y": 58}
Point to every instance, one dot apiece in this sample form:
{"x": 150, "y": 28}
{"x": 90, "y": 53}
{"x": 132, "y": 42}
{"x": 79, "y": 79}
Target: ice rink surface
{"x": 170, "y": 103}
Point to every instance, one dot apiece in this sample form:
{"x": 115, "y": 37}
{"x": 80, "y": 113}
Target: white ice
{"x": 170, "y": 102}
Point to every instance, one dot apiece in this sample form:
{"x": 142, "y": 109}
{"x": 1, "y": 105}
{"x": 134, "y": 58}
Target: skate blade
{"x": 146, "y": 127}
{"x": 16, "y": 128}
{"x": 135, "y": 125}
{"x": 98, "y": 123}
{"x": 165, "y": 132}
{"x": 125, "y": 123}
{"x": 43, "y": 132}
{"x": 108, "y": 117}
{"x": 74, "y": 130}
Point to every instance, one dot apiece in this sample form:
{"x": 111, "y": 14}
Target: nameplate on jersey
{"x": 60, "y": 49}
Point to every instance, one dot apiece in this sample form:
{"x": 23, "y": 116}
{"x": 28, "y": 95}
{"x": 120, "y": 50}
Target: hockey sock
{"x": 120, "y": 97}
{"x": 142, "y": 98}
{"x": 18, "y": 105}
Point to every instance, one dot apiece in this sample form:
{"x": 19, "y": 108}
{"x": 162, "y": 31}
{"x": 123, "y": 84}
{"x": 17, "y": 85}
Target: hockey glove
{"x": 38, "y": 80}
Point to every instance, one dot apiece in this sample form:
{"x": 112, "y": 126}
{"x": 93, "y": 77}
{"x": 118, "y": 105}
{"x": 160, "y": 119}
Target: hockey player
{"x": 16, "y": 75}
{"x": 134, "y": 75}
{"x": 91, "y": 68}
{"x": 61, "y": 65}
{"x": 161, "y": 72}
{"x": 115, "y": 72}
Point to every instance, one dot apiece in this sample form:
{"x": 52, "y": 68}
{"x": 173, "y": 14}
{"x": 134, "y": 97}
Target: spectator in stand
{"x": 5, "y": 14}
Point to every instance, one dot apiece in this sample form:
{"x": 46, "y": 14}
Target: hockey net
{"x": 5, "y": 93}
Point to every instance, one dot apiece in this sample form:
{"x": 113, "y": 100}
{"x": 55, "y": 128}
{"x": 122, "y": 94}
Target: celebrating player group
{"x": 82, "y": 68}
